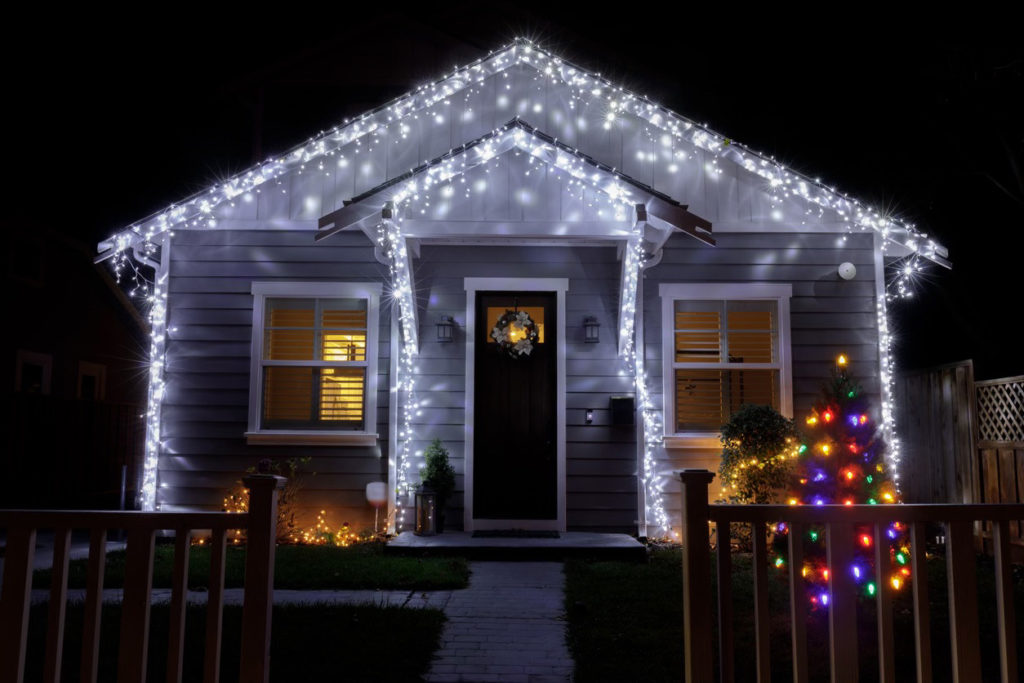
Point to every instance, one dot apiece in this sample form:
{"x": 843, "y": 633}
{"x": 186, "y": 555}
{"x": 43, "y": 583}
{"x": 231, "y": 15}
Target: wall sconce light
{"x": 591, "y": 330}
{"x": 446, "y": 329}
{"x": 847, "y": 270}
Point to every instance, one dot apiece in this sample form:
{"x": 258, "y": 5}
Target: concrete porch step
{"x": 572, "y": 544}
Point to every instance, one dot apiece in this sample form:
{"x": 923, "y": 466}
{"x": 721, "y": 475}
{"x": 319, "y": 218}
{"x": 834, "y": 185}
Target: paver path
{"x": 508, "y": 626}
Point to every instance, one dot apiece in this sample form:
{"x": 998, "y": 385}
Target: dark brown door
{"x": 515, "y": 427}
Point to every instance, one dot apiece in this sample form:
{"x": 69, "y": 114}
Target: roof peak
{"x": 195, "y": 211}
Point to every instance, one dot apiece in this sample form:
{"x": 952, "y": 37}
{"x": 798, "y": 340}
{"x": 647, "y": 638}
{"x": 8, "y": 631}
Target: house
{"x": 569, "y": 285}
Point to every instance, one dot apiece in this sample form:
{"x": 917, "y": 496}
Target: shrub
{"x": 758, "y": 452}
{"x": 438, "y": 475}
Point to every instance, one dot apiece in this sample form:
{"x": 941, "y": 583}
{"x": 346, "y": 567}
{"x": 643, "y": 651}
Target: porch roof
{"x": 654, "y": 208}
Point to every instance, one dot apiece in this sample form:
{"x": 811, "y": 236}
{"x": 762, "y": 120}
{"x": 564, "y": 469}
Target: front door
{"x": 515, "y": 454}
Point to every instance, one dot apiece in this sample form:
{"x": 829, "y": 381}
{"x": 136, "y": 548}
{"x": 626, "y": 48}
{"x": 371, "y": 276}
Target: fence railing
{"x": 21, "y": 526}
{"x": 840, "y": 522}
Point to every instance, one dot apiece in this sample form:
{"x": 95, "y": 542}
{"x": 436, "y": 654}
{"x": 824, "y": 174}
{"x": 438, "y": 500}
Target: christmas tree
{"x": 842, "y": 461}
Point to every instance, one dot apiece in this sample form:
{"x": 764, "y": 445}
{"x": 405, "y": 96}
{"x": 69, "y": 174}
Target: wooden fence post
{"x": 696, "y": 576}
{"x": 259, "y": 576}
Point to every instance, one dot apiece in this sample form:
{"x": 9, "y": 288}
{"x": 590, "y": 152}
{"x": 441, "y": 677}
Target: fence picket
{"x": 922, "y": 610}
{"x": 58, "y": 605}
{"x": 179, "y": 588}
{"x": 842, "y": 607}
{"x": 798, "y": 603}
{"x": 883, "y": 600}
{"x": 93, "y": 605}
{"x": 726, "y": 655}
{"x": 1007, "y": 622}
{"x": 21, "y": 544}
{"x": 215, "y": 607}
{"x": 138, "y": 583}
{"x": 963, "y": 603}
{"x": 762, "y": 638}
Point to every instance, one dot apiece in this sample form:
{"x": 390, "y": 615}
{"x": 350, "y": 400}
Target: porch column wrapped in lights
{"x": 391, "y": 241}
{"x": 673, "y": 140}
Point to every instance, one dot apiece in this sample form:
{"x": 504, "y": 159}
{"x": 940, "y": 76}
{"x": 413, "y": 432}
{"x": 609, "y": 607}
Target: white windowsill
{"x": 286, "y": 438}
{"x": 705, "y": 441}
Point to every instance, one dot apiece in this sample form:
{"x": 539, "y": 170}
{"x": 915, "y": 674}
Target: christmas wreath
{"x": 509, "y": 324}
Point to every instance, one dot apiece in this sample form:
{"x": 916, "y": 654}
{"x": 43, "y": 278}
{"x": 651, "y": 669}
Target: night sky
{"x": 106, "y": 122}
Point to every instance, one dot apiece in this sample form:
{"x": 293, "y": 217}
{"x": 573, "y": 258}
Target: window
{"x": 92, "y": 381}
{"x": 314, "y": 363}
{"x": 723, "y": 345}
{"x": 33, "y": 372}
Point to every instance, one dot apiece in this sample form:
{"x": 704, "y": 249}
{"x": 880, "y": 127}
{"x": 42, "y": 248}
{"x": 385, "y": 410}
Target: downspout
{"x": 886, "y": 365}
{"x": 641, "y": 355}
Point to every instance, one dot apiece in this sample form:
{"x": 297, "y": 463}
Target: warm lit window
{"x": 725, "y": 345}
{"x": 315, "y": 344}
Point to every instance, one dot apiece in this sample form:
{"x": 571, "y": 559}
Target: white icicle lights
{"x": 597, "y": 104}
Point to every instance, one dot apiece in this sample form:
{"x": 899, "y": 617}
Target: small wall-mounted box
{"x": 623, "y": 410}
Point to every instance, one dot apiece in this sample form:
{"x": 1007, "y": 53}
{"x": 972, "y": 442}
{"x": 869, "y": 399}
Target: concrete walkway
{"x": 509, "y": 625}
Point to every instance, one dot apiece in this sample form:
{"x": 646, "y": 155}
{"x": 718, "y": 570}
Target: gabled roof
{"x": 659, "y": 208}
{"x": 195, "y": 211}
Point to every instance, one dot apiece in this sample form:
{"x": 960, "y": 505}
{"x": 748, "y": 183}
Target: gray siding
{"x": 600, "y": 459}
{"x": 210, "y": 313}
{"x": 828, "y": 316}
{"x": 205, "y": 411}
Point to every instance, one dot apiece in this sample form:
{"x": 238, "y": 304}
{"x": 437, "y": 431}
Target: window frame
{"x": 261, "y": 291}
{"x": 781, "y": 293}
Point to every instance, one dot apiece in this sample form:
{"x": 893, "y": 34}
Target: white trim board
{"x": 720, "y": 291}
{"x": 514, "y": 284}
{"x": 371, "y": 291}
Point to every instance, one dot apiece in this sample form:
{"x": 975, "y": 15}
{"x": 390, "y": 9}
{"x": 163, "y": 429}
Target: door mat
{"x": 515, "y": 533}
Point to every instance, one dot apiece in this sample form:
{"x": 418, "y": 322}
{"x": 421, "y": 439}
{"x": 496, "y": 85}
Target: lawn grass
{"x": 308, "y": 643}
{"x": 626, "y": 622}
{"x": 362, "y": 566}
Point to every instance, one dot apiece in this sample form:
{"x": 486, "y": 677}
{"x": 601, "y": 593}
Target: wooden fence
{"x": 1000, "y": 445}
{"x": 21, "y": 525}
{"x": 935, "y": 410}
{"x": 963, "y": 439}
{"x": 840, "y": 522}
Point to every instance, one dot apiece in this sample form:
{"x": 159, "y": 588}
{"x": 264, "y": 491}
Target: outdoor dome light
{"x": 847, "y": 270}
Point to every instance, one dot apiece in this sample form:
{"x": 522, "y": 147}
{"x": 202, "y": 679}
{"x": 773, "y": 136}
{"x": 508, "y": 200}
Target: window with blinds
{"x": 314, "y": 363}
{"x": 726, "y": 354}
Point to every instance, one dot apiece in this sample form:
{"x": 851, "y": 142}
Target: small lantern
{"x": 446, "y": 329}
{"x": 591, "y": 330}
{"x": 426, "y": 512}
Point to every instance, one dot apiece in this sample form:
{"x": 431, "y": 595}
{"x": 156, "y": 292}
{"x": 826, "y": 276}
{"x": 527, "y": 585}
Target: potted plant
{"x": 438, "y": 476}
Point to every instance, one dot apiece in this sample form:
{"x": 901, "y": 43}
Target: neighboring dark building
{"x": 74, "y": 377}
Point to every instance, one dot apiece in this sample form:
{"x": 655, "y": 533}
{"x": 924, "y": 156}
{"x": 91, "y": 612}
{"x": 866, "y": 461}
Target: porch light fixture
{"x": 446, "y": 329}
{"x": 591, "y": 330}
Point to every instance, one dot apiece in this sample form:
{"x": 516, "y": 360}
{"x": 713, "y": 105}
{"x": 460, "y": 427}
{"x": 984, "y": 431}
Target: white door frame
{"x": 514, "y": 284}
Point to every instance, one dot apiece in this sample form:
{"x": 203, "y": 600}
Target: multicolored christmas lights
{"x": 846, "y": 465}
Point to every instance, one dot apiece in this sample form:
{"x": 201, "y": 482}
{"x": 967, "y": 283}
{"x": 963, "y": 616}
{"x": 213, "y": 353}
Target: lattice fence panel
{"x": 1001, "y": 410}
